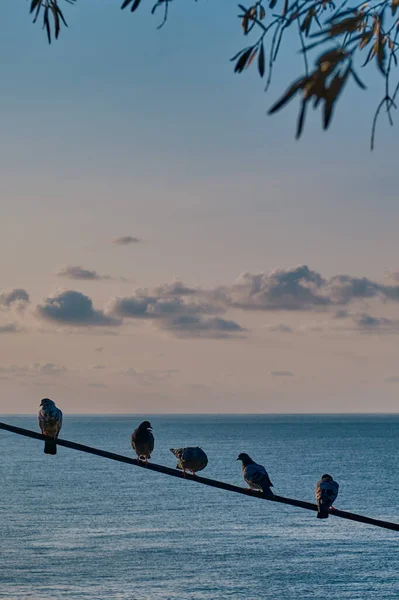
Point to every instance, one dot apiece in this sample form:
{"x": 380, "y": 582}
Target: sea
{"x": 80, "y": 527}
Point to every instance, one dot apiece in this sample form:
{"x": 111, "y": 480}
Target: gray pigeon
{"x": 143, "y": 441}
{"x": 255, "y": 475}
{"x": 50, "y": 423}
{"x": 326, "y": 494}
{"x": 190, "y": 459}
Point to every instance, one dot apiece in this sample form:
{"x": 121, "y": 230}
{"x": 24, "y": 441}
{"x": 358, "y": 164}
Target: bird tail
{"x": 266, "y": 490}
{"x": 175, "y": 451}
{"x": 322, "y": 512}
{"x": 50, "y": 447}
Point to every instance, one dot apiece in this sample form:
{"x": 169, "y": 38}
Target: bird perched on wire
{"x": 143, "y": 441}
{"x": 326, "y": 494}
{"x": 255, "y": 475}
{"x": 50, "y": 423}
{"x": 190, "y": 459}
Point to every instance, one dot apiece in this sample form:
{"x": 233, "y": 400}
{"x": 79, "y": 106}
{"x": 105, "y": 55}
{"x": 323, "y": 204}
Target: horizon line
{"x": 178, "y": 414}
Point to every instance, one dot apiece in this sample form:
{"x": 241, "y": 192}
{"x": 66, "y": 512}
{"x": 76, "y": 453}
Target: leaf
{"x": 332, "y": 56}
{"x": 307, "y": 22}
{"x": 135, "y": 4}
{"x": 345, "y": 26}
{"x": 301, "y": 119}
{"x": 39, "y": 6}
{"x": 333, "y": 92}
{"x": 370, "y": 55}
{"x": 54, "y": 10}
{"x": 358, "y": 80}
{"x": 251, "y": 58}
{"x": 381, "y": 53}
{"x": 34, "y": 4}
{"x": 239, "y": 53}
{"x": 289, "y": 94}
{"x": 261, "y": 60}
{"x": 243, "y": 60}
{"x": 366, "y": 38}
{"x": 46, "y": 23}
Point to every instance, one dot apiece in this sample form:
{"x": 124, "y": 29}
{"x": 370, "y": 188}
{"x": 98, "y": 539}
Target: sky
{"x": 167, "y": 247}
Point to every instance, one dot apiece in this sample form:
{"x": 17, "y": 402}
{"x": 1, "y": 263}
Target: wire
{"x": 203, "y": 480}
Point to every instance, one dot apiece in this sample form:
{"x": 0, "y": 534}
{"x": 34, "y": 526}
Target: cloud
{"x": 151, "y": 376}
{"x": 367, "y": 323}
{"x": 48, "y": 369}
{"x": 99, "y": 349}
{"x": 142, "y": 306}
{"x": 341, "y": 313}
{"x": 197, "y": 326}
{"x": 280, "y": 328}
{"x": 99, "y": 367}
{"x": 37, "y": 369}
{"x": 394, "y": 275}
{"x": 300, "y": 288}
{"x": 176, "y": 288}
{"x": 124, "y": 240}
{"x": 77, "y": 272}
{"x": 394, "y": 379}
{"x": 68, "y": 307}
{"x": 175, "y": 313}
{"x": 10, "y": 328}
{"x": 282, "y": 374}
{"x": 18, "y": 298}
{"x": 15, "y": 370}
{"x": 294, "y": 289}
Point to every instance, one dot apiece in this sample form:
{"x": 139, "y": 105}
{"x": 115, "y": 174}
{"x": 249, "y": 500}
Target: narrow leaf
{"x": 289, "y": 94}
{"x": 358, "y": 80}
{"x": 261, "y": 60}
{"x": 243, "y": 60}
{"x": 301, "y": 119}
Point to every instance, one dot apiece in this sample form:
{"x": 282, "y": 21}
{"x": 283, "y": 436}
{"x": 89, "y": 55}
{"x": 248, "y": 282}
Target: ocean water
{"x": 81, "y": 527}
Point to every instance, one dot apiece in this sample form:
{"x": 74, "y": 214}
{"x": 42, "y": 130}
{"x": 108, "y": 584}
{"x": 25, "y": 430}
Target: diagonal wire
{"x": 197, "y": 479}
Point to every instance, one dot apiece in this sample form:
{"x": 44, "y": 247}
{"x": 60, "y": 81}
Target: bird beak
{"x": 237, "y": 458}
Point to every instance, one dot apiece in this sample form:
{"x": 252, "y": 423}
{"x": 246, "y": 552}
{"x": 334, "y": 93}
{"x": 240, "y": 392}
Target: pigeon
{"x": 143, "y": 441}
{"x": 255, "y": 475}
{"x": 326, "y": 494}
{"x": 50, "y": 423}
{"x": 190, "y": 459}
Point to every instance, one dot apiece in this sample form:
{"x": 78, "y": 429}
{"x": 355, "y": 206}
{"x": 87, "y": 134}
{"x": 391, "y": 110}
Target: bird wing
{"x": 151, "y": 441}
{"x": 60, "y": 416}
{"x": 257, "y": 475}
{"x": 40, "y": 418}
{"x": 327, "y": 491}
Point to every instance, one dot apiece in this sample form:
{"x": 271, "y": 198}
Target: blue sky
{"x": 121, "y": 129}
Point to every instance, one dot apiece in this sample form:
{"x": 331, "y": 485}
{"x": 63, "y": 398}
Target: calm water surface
{"x": 81, "y": 527}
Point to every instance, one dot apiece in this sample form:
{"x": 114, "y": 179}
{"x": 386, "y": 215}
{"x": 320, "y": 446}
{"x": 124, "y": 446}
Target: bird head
{"x": 245, "y": 459}
{"x": 46, "y": 402}
{"x": 326, "y": 477}
{"x": 145, "y": 425}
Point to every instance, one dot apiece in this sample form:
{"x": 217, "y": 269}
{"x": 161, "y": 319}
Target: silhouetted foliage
{"x": 339, "y": 37}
